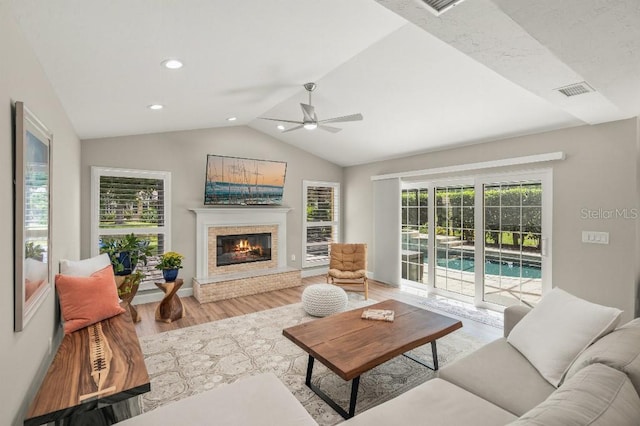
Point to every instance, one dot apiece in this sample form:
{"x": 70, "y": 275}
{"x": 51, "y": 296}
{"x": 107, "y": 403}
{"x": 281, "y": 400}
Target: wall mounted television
{"x": 243, "y": 181}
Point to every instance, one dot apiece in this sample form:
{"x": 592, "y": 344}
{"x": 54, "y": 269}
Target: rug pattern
{"x": 191, "y": 360}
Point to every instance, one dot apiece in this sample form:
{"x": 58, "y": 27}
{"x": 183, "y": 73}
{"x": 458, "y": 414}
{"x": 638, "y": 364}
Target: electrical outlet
{"x": 293, "y": 257}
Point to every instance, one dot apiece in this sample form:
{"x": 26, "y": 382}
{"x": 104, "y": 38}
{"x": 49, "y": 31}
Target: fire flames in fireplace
{"x": 244, "y": 246}
{"x": 235, "y": 249}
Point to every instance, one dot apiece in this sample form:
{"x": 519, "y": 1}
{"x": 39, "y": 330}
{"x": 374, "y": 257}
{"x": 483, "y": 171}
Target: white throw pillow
{"x": 35, "y": 270}
{"x": 85, "y": 267}
{"x": 558, "y": 329}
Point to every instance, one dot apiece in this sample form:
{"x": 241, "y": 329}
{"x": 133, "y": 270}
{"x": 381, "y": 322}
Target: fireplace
{"x": 214, "y": 225}
{"x": 243, "y": 248}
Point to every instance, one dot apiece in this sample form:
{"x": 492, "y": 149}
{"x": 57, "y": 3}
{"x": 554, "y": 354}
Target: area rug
{"x": 462, "y": 309}
{"x": 191, "y": 360}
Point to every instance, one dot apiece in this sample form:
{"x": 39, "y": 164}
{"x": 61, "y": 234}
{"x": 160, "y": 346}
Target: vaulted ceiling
{"x": 484, "y": 70}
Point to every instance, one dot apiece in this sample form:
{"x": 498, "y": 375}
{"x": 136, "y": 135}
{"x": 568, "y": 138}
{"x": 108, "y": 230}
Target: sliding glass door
{"x": 488, "y": 237}
{"x": 513, "y": 242}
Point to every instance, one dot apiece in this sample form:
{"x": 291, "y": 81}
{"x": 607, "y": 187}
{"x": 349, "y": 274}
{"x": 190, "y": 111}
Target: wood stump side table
{"x": 171, "y": 307}
{"x": 127, "y": 289}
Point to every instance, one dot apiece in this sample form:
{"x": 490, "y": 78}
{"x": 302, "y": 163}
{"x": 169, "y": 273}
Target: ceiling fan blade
{"x": 293, "y": 128}
{"x": 352, "y": 117}
{"x": 329, "y": 128}
{"x": 309, "y": 112}
{"x": 280, "y": 120}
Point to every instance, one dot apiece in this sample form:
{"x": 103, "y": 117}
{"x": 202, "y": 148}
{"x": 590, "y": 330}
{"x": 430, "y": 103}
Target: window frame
{"x": 96, "y": 173}
{"x": 335, "y": 224}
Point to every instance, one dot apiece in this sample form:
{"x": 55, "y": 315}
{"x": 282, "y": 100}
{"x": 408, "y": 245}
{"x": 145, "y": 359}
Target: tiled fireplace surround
{"x": 214, "y": 282}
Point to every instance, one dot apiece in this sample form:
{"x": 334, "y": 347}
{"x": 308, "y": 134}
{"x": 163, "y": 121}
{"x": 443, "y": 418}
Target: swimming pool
{"x": 493, "y": 267}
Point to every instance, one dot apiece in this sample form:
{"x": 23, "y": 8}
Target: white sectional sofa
{"x": 257, "y": 400}
{"x": 496, "y": 385}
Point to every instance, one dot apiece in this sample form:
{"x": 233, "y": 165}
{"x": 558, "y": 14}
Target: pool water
{"x": 493, "y": 267}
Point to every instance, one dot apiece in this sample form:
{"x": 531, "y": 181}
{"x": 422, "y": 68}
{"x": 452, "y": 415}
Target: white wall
{"x": 601, "y": 171}
{"x": 24, "y": 355}
{"x": 184, "y": 154}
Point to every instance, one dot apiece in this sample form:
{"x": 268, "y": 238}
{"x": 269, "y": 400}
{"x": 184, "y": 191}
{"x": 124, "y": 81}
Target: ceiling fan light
{"x": 310, "y": 126}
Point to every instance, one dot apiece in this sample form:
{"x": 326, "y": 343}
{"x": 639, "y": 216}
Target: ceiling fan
{"x": 310, "y": 119}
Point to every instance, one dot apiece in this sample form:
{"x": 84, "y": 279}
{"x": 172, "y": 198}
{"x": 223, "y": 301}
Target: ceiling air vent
{"x": 438, "y": 7}
{"x": 576, "y": 89}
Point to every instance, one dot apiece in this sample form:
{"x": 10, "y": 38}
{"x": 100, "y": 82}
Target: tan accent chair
{"x": 348, "y": 265}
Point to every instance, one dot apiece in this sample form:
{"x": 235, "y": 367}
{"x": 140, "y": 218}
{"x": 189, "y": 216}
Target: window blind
{"x": 321, "y": 221}
{"x": 130, "y": 201}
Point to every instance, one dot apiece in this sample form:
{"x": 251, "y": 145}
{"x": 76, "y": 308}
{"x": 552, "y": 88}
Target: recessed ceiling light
{"x": 172, "y": 64}
{"x": 232, "y": 118}
{"x": 155, "y": 106}
{"x": 280, "y": 127}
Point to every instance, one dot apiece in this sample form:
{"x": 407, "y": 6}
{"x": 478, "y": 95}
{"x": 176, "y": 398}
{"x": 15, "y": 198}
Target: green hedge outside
{"x": 513, "y": 209}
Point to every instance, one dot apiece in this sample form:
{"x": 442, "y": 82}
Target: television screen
{"x": 243, "y": 181}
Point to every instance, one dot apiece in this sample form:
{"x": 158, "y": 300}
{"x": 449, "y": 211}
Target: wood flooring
{"x": 197, "y": 313}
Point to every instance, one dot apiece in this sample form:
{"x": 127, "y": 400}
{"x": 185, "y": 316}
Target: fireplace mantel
{"x": 237, "y": 216}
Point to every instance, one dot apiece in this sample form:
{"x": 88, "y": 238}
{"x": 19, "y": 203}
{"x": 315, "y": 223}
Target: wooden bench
{"x": 94, "y": 373}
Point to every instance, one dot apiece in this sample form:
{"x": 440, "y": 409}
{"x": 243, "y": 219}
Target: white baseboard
{"x": 312, "y": 272}
{"x": 156, "y": 295}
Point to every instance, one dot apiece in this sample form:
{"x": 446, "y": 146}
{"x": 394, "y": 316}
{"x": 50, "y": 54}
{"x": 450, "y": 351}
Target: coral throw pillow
{"x": 30, "y": 287}
{"x": 87, "y": 300}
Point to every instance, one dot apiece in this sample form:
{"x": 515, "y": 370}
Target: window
{"x": 415, "y": 230}
{"x": 132, "y": 201}
{"x": 513, "y": 242}
{"x": 455, "y": 238}
{"x": 321, "y": 221}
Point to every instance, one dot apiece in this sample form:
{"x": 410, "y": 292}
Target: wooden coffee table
{"x": 349, "y": 345}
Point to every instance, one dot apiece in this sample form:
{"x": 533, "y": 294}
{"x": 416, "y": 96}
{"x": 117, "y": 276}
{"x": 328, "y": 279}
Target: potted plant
{"x": 125, "y": 253}
{"x": 169, "y": 263}
{"x": 128, "y": 283}
{"x": 33, "y": 251}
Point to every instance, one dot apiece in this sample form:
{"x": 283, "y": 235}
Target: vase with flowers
{"x": 170, "y": 262}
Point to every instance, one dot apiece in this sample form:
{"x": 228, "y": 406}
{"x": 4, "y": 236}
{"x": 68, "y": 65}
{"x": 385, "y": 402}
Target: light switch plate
{"x": 594, "y": 237}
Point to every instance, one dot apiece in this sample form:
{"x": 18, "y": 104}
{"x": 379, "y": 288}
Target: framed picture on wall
{"x": 32, "y": 214}
{"x": 243, "y": 181}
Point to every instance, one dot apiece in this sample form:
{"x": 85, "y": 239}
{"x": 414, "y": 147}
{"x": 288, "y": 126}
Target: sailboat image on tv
{"x": 243, "y": 181}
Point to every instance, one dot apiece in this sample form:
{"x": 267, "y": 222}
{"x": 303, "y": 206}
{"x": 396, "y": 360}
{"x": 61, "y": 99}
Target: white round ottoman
{"x": 321, "y": 300}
